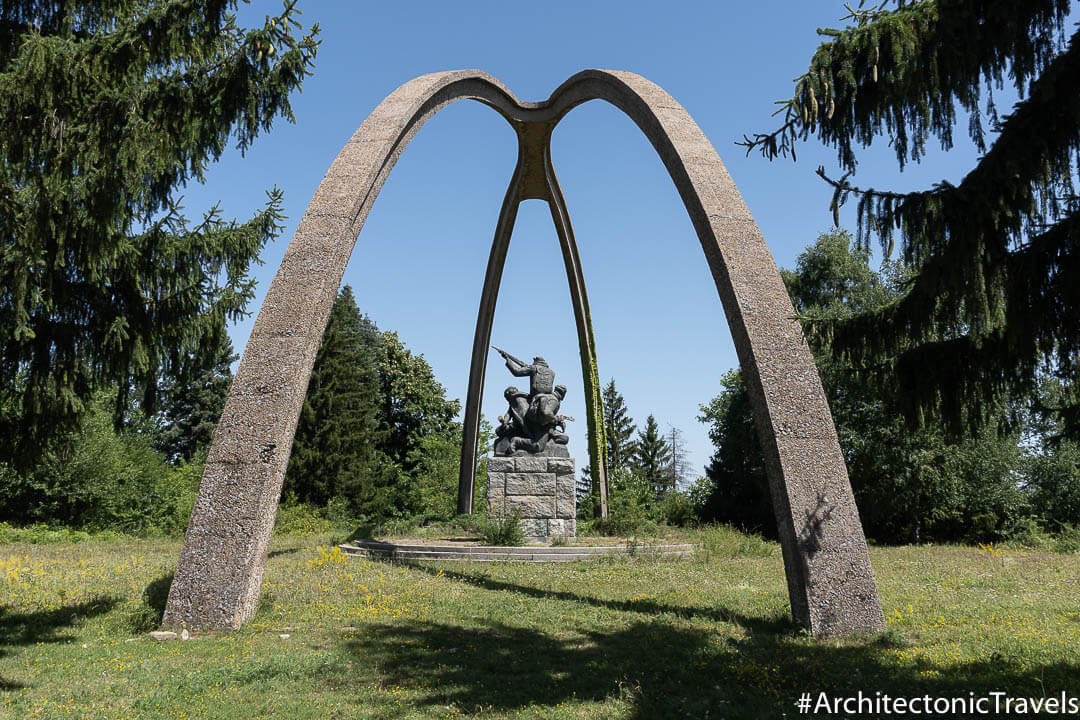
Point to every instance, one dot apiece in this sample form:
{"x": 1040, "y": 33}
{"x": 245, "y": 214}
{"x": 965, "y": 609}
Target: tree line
{"x": 647, "y": 471}
{"x": 377, "y": 436}
{"x": 376, "y": 439}
{"x": 1014, "y": 475}
{"x": 950, "y": 372}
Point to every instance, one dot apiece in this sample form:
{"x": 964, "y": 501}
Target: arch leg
{"x": 579, "y": 298}
{"x": 482, "y": 339}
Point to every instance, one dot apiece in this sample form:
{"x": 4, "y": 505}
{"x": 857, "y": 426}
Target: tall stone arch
{"x": 219, "y": 573}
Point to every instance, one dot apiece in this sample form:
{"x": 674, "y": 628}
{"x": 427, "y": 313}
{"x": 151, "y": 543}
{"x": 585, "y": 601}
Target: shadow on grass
{"x": 47, "y": 626}
{"x": 662, "y": 670}
{"x": 284, "y": 551}
{"x": 650, "y": 659}
{"x": 44, "y": 626}
{"x": 646, "y": 606}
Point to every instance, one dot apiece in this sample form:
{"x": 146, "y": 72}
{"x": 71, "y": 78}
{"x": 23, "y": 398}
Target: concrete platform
{"x": 376, "y": 549}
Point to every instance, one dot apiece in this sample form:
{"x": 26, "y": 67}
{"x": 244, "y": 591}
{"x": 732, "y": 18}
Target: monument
{"x": 532, "y": 473}
{"x": 829, "y": 578}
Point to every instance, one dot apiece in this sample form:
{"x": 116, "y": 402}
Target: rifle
{"x": 508, "y": 356}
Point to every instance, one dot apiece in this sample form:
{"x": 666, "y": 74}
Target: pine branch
{"x": 105, "y": 118}
{"x": 960, "y": 236}
{"x": 903, "y": 73}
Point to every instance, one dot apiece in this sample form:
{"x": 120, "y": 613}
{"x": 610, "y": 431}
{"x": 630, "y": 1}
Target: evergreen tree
{"x": 652, "y": 456}
{"x": 192, "y": 401}
{"x": 618, "y": 428}
{"x": 109, "y": 109}
{"x": 738, "y": 491}
{"x": 993, "y": 298}
{"x": 676, "y": 470}
{"x": 336, "y": 450}
{"x": 376, "y": 430}
{"x": 583, "y": 491}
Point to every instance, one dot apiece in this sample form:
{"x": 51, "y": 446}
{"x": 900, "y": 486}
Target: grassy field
{"x": 620, "y": 638}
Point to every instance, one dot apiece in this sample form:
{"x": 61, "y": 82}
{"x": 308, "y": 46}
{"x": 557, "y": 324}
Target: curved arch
{"x": 830, "y": 580}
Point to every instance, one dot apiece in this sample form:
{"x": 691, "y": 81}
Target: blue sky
{"x": 419, "y": 262}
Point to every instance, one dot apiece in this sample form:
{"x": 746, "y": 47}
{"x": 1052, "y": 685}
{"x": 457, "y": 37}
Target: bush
{"x": 728, "y": 541}
{"x": 619, "y": 525}
{"x": 102, "y": 479}
{"x": 1054, "y": 480}
{"x": 630, "y": 499}
{"x": 677, "y": 509}
{"x": 1067, "y": 539}
{"x": 295, "y": 518}
{"x": 501, "y": 530}
{"x": 42, "y": 534}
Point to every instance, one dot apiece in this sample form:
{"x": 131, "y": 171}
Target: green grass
{"x": 620, "y": 638}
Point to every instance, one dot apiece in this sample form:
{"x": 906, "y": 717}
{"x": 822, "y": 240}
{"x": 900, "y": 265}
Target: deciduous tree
{"x": 911, "y": 485}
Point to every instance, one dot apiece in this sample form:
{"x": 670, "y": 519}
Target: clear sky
{"x": 419, "y": 262}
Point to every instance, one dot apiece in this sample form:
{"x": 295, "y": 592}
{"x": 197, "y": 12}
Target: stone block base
{"x": 541, "y": 489}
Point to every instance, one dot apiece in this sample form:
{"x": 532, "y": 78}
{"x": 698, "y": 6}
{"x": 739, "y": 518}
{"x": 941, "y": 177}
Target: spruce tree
{"x": 109, "y": 109}
{"x": 192, "y": 400}
{"x": 993, "y": 298}
{"x": 336, "y": 451}
{"x": 652, "y": 456}
{"x": 619, "y": 428}
{"x": 739, "y": 489}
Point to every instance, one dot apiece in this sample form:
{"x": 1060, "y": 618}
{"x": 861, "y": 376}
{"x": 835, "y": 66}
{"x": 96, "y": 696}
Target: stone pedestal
{"x": 541, "y": 489}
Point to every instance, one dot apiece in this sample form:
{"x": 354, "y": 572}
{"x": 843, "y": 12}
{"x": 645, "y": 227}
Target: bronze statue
{"x": 532, "y": 424}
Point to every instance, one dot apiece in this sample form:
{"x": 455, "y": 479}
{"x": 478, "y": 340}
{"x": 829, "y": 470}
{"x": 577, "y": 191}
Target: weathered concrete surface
{"x": 830, "y": 581}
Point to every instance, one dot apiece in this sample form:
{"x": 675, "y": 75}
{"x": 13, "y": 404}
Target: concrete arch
{"x": 830, "y": 580}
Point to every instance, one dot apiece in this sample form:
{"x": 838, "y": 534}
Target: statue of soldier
{"x": 540, "y": 423}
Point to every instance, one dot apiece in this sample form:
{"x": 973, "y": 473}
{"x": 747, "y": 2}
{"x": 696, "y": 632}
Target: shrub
{"x": 295, "y": 518}
{"x": 501, "y": 530}
{"x": 1067, "y": 539}
{"x": 1054, "y": 479}
{"x": 102, "y": 479}
{"x": 677, "y": 509}
{"x": 727, "y": 541}
{"x": 42, "y": 534}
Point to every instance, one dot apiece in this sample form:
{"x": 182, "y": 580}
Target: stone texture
{"x": 562, "y": 528}
{"x": 539, "y": 494}
{"x": 532, "y": 506}
{"x": 561, "y": 466}
{"x": 531, "y": 464}
{"x": 534, "y": 528}
{"x": 497, "y": 483}
{"x": 219, "y": 573}
{"x": 530, "y": 483}
{"x": 565, "y": 497}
